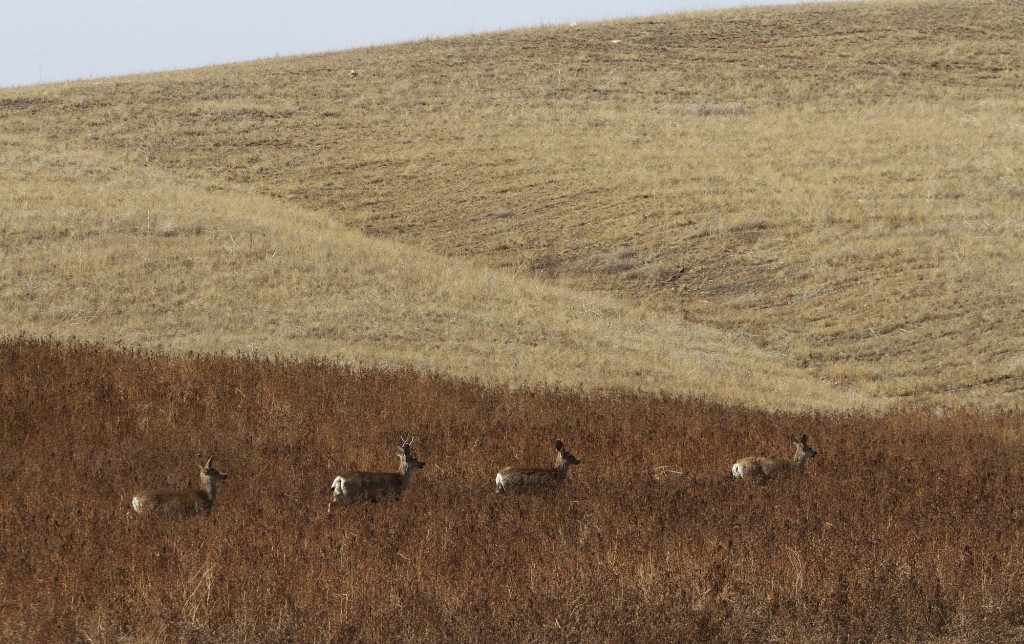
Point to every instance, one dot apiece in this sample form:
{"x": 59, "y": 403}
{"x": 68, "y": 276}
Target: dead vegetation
{"x": 766, "y": 216}
{"x": 905, "y": 527}
{"x": 112, "y": 252}
{"x": 837, "y": 184}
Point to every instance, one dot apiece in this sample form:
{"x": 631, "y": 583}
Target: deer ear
{"x": 803, "y": 439}
{"x": 209, "y": 462}
{"x": 559, "y": 446}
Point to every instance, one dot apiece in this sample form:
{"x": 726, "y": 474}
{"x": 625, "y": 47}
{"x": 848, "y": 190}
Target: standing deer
{"x": 188, "y": 502}
{"x": 537, "y": 477}
{"x": 760, "y": 469}
{"x": 373, "y": 485}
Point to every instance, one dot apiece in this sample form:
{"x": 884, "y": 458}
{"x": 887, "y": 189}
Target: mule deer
{"x": 188, "y": 502}
{"x": 761, "y": 469}
{"x": 537, "y": 477}
{"x": 373, "y": 485}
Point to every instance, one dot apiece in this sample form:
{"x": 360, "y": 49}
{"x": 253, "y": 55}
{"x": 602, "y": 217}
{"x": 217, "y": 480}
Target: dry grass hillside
{"x": 833, "y": 189}
{"x": 105, "y": 251}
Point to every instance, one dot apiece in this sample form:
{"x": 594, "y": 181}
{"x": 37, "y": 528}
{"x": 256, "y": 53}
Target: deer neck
{"x": 208, "y": 487}
{"x": 405, "y": 473}
{"x": 799, "y": 458}
{"x": 561, "y": 469}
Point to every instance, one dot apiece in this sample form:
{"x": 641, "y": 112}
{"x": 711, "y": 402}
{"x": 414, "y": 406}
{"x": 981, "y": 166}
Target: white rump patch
{"x": 500, "y": 481}
{"x": 338, "y": 485}
{"x": 136, "y": 505}
{"x": 737, "y": 471}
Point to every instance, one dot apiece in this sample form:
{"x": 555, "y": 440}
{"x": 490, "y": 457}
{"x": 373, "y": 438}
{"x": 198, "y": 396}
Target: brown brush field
{"x": 906, "y": 527}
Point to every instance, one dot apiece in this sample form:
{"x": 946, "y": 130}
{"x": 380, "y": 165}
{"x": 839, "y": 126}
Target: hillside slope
{"x": 838, "y": 184}
{"x": 105, "y": 251}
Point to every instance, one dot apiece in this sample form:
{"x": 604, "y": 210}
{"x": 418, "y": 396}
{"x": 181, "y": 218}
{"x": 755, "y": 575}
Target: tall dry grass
{"x": 102, "y": 250}
{"x": 906, "y": 527}
{"x": 838, "y": 183}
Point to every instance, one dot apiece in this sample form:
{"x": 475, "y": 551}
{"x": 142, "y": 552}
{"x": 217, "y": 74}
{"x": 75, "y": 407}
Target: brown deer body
{"x": 760, "y": 469}
{"x": 371, "y": 486}
{"x": 526, "y": 478}
{"x": 184, "y": 503}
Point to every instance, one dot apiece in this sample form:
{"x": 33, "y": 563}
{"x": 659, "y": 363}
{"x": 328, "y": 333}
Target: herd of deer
{"x": 356, "y": 486}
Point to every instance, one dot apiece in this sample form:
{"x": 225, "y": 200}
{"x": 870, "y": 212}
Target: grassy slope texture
{"x": 784, "y": 218}
{"x": 833, "y": 190}
{"x": 110, "y": 251}
{"x": 905, "y": 527}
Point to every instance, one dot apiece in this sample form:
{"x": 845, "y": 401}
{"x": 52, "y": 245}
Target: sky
{"x": 44, "y": 41}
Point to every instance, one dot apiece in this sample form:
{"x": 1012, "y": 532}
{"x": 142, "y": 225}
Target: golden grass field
{"x": 671, "y": 242}
{"x": 796, "y": 207}
{"x": 130, "y": 256}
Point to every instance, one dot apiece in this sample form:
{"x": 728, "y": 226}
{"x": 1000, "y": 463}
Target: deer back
{"x": 369, "y": 485}
{"x": 167, "y": 502}
{"x": 759, "y": 466}
{"x": 528, "y": 477}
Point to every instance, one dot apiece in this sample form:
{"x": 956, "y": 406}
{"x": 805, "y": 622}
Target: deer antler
{"x": 405, "y": 445}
